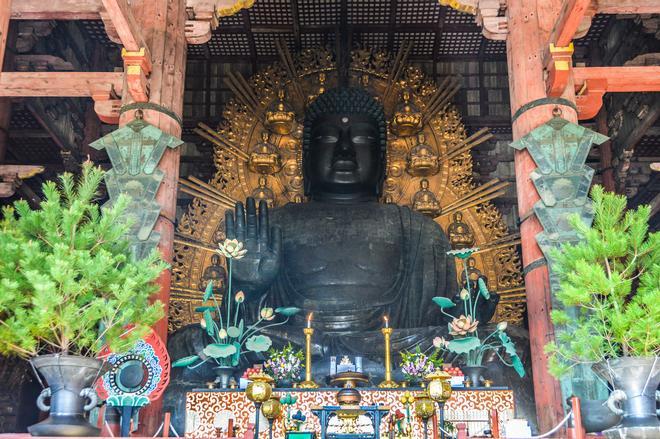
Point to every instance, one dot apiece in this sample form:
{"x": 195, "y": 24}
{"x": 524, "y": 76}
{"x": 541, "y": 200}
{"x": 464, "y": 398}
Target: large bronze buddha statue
{"x": 343, "y": 255}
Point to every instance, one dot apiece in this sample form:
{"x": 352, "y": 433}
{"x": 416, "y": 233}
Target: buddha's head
{"x": 344, "y": 146}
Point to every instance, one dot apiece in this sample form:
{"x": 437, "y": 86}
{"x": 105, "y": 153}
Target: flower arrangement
{"x": 417, "y": 364}
{"x": 231, "y": 337}
{"x": 464, "y": 329}
{"x": 284, "y": 364}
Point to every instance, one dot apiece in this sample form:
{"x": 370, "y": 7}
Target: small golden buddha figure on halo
{"x": 280, "y": 118}
{"x": 215, "y": 273}
{"x": 473, "y": 274}
{"x": 422, "y": 159}
{"x": 425, "y": 201}
{"x": 321, "y": 89}
{"x": 407, "y": 120}
{"x": 460, "y": 233}
{"x": 265, "y": 157}
{"x": 263, "y": 192}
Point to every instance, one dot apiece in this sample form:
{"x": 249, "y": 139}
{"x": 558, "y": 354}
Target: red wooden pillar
{"x": 5, "y": 103}
{"x": 530, "y": 23}
{"x": 162, "y": 23}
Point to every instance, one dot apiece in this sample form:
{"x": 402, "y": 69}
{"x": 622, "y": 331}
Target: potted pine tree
{"x": 610, "y": 308}
{"x": 68, "y": 286}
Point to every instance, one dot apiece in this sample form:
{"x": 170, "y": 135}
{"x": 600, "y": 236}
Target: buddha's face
{"x": 344, "y": 155}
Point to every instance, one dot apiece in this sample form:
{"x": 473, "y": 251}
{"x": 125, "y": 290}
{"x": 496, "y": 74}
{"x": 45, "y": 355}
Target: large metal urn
{"x": 635, "y": 380}
{"x": 70, "y": 394}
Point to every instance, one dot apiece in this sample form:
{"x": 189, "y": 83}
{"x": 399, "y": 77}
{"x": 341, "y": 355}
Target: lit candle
{"x": 387, "y": 322}
{"x": 309, "y": 319}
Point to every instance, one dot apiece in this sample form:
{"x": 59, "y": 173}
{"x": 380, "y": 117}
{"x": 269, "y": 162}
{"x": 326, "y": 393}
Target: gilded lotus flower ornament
{"x": 463, "y": 325}
{"x": 232, "y": 249}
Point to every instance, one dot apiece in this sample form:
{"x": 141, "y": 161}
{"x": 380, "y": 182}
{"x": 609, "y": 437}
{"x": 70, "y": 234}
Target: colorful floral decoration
{"x": 231, "y": 336}
{"x": 284, "y": 364}
{"x": 465, "y": 328}
{"x": 417, "y": 364}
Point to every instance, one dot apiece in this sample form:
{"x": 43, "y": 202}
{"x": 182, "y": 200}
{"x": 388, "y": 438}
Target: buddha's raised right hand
{"x": 259, "y": 267}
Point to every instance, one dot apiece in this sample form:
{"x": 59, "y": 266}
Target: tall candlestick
{"x": 388, "y": 382}
{"x": 309, "y": 382}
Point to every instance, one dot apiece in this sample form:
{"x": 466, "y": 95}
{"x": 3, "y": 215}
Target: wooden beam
{"x": 4, "y": 29}
{"x": 621, "y": 79}
{"x": 627, "y": 6}
{"x": 126, "y": 26}
{"x": 570, "y": 17}
{"x": 56, "y": 9}
{"x": 60, "y": 84}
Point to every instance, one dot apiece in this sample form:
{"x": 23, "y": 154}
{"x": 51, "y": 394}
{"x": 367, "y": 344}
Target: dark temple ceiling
{"x": 446, "y": 42}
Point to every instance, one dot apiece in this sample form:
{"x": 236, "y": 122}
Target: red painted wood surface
{"x": 162, "y": 23}
{"x": 56, "y": 9}
{"x": 621, "y": 79}
{"x": 127, "y": 27}
{"x": 59, "y": 84}
{"x": 571, "y": 15}
{"x": 628, "y": 6}
{"x": 527, "y": 36}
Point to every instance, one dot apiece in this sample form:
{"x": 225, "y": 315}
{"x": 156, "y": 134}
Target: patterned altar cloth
{"x": 208, "y": 411}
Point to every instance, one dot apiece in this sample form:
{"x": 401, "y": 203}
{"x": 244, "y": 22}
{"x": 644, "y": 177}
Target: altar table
{"x": 208, "y": 409}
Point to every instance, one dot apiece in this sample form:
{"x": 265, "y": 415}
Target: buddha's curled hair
{"x": 346, "y": 100}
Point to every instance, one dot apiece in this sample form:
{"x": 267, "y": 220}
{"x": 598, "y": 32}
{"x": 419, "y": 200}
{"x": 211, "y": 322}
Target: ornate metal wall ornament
{"x": 301, "y": 78}
{"x": 135, "y": 151}
{"x": 560, "y": 149}
{"x": 562, "y": 179}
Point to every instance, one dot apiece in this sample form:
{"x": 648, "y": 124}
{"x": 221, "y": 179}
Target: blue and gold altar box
{"x": 300, "y": 435}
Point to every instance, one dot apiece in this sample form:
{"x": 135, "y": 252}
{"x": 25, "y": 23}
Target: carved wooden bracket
{"x": 198, "y": 31}
{"x": 591, "y": 83}
{"x": 108, "y": 110}
{"x": 11, "y": 177}
{"x": 137, "y": 67}
{"x": 589, "y": 98}
{"x": 107, "y": 105}
{"x": 110, "y": 29}
{"x": 559, "y": 69}
{"x": 487, "y": 15}
{"x": 41, "y": 63}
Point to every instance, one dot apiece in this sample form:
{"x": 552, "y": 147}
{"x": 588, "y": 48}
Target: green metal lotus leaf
{"x": 510, "y": 349}
{"x": 288, "y": 311}
{"x": 219, "y": 350}
{"x": 237, "y": 356}
{"x": 258, "y": 343}
{"x": 443, "y": 302}
{"x": 210, "y": 325}
{"x": 205, "y": 308}
{"x": 185, "y": 361}
{"x": 483, "y": 289}
{"x": 208, "y": 292}
{"x": 464, "y": 345}
{"x": 233, "y": 332}
{"x": 517, "y": 365}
